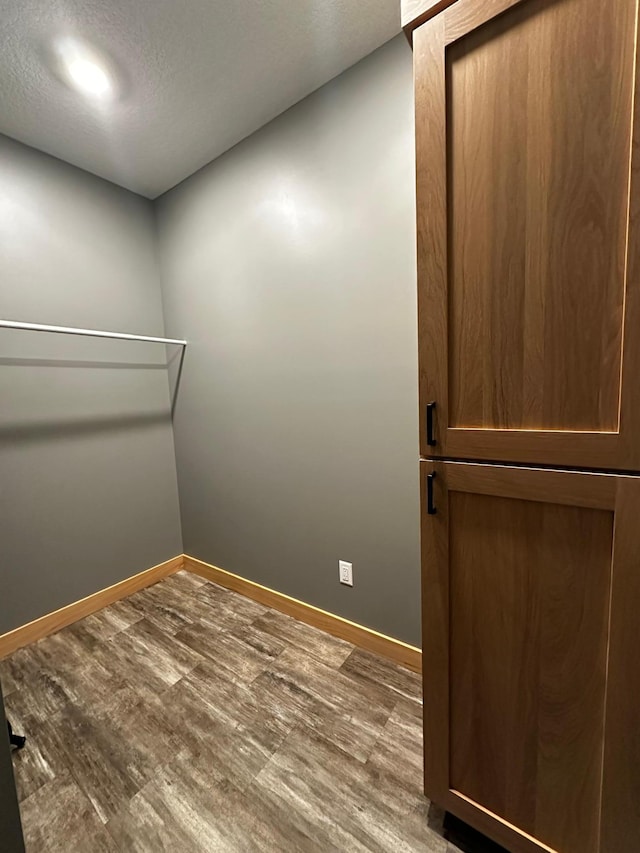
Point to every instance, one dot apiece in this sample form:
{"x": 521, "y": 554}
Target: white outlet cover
{"x": 345, "y": 572}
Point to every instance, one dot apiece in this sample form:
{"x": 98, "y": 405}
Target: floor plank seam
{"x": 205, "y": 721}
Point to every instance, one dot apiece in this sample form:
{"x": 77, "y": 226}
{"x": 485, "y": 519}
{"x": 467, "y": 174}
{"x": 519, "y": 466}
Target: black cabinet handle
{"x": 430, "y": 410}
{"x": 431, "y": 510}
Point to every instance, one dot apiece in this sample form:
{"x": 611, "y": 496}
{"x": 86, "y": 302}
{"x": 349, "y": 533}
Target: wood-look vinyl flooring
{"x": 188, "y": 718}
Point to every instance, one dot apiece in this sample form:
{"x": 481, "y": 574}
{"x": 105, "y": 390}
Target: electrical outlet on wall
{"x": 346, "y": 572}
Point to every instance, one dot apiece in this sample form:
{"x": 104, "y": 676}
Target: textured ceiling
{"x": 195, "y": 77}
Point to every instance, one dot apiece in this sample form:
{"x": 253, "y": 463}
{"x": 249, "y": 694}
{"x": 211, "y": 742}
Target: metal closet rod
{"x": 90, "y": 333}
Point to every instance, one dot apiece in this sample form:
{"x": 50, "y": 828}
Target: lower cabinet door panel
{"x": 530, "y": 578}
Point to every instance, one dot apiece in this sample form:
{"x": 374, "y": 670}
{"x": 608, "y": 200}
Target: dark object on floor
{"x": 16, "y": 740}
{"x": 468, "y": 839}
{"x": 11, "y": 840}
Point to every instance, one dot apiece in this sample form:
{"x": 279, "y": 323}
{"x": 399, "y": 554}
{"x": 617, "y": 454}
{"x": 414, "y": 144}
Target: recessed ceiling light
{"x": 84, "y": 69}
{"x": 88, "y": 77}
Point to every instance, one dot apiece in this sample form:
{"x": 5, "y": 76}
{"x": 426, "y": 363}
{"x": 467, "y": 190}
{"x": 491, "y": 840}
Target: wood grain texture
{"x": 595, "y": 491}
{"x": 523, "y": 194}
{"x": 268, "y": 727}
{"x": 630, "y": 401}
{"x": 538, "y": 198}
{"x": 621, "y": 778}
{"x": 504, "y": 833}
{"x": 529, "y": 609}
{"x": 516, "y": 592}
{"x": 366, "y": 638}
{"x": 472, "y": 14}
{"x": 435, "y": 637}
{"x": 607, "y": 451}
{"x": 431, "y": 194}
{"x": 52, "y": 622}
{"x": 415, "y": 12}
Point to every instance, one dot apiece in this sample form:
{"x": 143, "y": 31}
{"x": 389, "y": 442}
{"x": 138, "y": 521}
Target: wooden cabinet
{"x": 528, "y": 232}
{"x": 528, "y": 196}
{"x": 531, "y": 583}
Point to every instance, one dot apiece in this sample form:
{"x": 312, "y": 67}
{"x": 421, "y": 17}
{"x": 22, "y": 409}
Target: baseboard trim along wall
{"x": 52, "y": 622}
{"x": 364, "y": 638}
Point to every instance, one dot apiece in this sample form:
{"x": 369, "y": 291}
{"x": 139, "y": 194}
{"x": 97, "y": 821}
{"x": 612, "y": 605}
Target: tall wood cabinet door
{"x": 531, "y": 590}
{"x": 529, "y": 232}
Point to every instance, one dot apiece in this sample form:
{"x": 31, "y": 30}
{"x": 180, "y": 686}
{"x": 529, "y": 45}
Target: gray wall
{"x": 289, "y": 264}
{"x": 88, "y": 491}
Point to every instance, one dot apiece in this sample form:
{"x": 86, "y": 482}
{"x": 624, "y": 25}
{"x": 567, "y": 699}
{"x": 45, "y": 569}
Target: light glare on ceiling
{"x": 84, "y": 69}
{"x": 89, "y": 77}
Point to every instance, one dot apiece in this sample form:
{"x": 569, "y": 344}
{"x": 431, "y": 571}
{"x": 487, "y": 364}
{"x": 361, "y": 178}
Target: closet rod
{"x": 91, "y": 333}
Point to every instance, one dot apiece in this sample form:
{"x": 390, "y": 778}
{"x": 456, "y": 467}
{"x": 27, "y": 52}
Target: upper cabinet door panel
{"x": 527, "y": 191}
